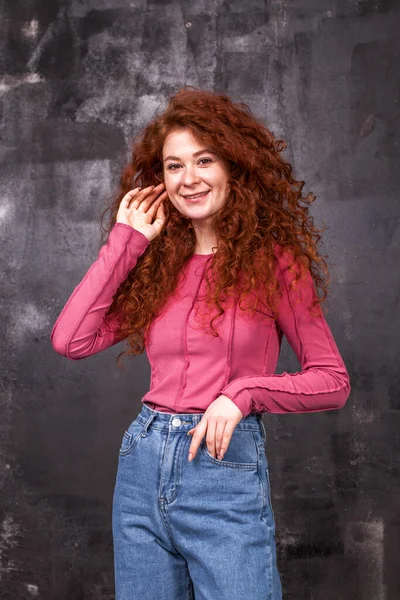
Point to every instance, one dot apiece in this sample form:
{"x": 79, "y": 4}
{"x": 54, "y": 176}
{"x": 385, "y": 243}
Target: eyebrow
{"x": 210, "y": 150}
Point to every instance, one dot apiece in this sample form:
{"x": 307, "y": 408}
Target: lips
{"x": 196, "y": 198}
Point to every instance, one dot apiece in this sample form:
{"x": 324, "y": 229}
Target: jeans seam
{"x": 269, "y": 494}
{"x": 190, "y": 586}
{"x": 261, "y": 449}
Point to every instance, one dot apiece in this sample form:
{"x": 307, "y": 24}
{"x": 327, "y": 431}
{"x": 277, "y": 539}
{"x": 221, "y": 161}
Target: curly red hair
{"x": 264, "y": 210}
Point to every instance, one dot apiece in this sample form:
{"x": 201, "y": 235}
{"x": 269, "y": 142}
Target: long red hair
{"x": 264, "y": 207}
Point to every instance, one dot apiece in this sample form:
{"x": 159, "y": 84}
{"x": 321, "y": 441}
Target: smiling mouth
{"x": 195, "y": 197}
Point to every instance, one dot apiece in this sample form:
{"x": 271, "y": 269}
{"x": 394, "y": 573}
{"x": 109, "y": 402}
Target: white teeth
{"x": 197, "y": 195}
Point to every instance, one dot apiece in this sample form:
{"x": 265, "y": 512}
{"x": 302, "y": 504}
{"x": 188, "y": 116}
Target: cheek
{"x": 171, "y": 183}
{"x": 220, "y": 180}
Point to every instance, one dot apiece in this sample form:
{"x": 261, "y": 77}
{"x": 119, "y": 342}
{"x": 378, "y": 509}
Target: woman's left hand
{"x": 218, "y": 422}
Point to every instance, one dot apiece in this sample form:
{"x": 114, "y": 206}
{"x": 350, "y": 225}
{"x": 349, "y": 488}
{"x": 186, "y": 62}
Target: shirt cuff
{"x": 137, "y": 235}
{"x": 242, "y": 399}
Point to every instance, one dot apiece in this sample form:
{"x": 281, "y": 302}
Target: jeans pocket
{"x": 241, "y": 453}
{"x": 269, "y": 501}
{"x": 263, "y": 473}
{"x": 130, "y": 438}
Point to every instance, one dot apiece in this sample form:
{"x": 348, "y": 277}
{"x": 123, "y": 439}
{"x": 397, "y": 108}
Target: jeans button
{"x": 176, "y": 422}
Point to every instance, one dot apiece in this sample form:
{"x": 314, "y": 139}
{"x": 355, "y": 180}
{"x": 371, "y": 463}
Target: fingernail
{"x": 190, "y": 456}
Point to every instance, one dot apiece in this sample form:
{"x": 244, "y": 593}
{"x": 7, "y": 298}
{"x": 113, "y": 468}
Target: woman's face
{"x": 190, "y": 168}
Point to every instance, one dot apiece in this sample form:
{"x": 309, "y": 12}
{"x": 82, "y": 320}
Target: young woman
{"x": 209, "y": 261}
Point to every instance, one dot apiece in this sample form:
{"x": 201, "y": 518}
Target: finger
{"x": 160, "y": 211}
{"x": 200, "y": 431}
{"x": 156, "y": 189}
{"x": 146, "y": 190}
{"x": 128, "y": 197}
{"x": 219, "y": 434}
{"x": 210, "y": 439}
{"x": 152, "y": 210}
{"x": 226, "y": 439}
{"x": 153, "y": 189}
{"x": 156, "y": 204}
{"x": 150, "y": 195}
{"x": 160, "y": 215}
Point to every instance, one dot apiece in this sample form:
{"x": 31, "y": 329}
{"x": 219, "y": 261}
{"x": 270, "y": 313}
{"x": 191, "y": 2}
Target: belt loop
{"x": 147, "y": 424}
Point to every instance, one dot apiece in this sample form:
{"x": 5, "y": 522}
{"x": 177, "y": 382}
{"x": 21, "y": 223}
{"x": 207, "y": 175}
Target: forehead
{"x": 181, "y": 139}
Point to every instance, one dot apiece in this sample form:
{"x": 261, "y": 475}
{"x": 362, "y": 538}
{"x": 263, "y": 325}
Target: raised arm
{"x": 82, "y": 328}
{"x": 322, "y": 384}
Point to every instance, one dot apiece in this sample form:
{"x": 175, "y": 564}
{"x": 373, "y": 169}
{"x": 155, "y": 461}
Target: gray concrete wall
{"x": 78, "y": 80}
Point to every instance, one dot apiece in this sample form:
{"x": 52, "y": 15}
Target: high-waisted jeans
{"x": 199, "y": 530}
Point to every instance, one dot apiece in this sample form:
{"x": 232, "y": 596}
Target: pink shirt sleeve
{"x": 82, "y": 329}
{"x": 322, "y": 384}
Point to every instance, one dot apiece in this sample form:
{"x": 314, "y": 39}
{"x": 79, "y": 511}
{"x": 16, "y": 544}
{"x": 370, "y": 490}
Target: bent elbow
{"x": 60, "y": 344}
{"x": 343, "y": 395}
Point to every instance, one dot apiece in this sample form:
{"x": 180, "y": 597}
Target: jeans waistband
{"x": 186, "y": 421}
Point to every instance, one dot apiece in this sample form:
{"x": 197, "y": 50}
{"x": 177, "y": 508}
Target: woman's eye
{"x": 172, "y": 166}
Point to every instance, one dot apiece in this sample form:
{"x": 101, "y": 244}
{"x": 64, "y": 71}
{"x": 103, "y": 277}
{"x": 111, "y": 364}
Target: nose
{"x": 190, "y": 177}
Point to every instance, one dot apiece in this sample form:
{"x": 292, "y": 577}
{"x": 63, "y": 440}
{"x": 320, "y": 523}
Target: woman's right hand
{"x": 139, "y": 207}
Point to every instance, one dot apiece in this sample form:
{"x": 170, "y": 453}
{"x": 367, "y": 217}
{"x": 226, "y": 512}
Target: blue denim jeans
{"x": 199, "y": 530}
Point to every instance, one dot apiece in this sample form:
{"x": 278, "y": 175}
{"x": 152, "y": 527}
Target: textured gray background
{"x": 78, "y": 80}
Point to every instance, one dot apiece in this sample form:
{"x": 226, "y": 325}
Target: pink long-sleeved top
{"x": 189, "y": 368}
